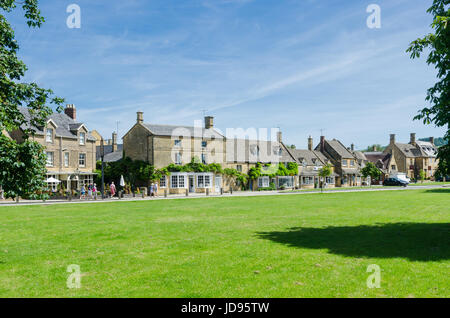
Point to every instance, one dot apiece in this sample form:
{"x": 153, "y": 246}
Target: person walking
{"x": 155, "y": 189}
{"x": 94, "y": 191}
{"x": 83, "y": 192}
{"x": 152, "y": 188}
{"x": 112, "y": 188}
{"x": 90, "y": 191}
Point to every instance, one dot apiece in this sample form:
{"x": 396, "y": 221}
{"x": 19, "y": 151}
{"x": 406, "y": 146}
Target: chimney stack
{"x": 322, "y": 143}
{"x": 352, "y": 147}
{"x": 114, "y": 142}
{"x": 140, "y": 117}
{"x": 310, "y": 143}
{"x": 413, "y": 139}
{"x": 71, "y": 111}
{"x": 209, "y": 122}
{"x": 279, "y": 137}
{"x": 432, "y": 140}
{"x": 392, "y": 139}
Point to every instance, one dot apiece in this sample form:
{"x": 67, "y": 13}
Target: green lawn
{"x": 310, "y": 245}
{"x": 428, "y": 183}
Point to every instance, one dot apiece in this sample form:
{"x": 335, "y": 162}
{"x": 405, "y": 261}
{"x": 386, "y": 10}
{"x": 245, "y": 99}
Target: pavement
{"x": 225, "y": 195}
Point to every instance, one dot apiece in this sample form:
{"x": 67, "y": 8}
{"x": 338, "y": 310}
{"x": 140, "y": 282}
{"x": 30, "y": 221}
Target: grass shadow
{"x": 413, "y": 241}
{"x": 438, "y": 190}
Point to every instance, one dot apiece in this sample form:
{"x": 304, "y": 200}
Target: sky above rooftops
{"x": 302, "y": 66}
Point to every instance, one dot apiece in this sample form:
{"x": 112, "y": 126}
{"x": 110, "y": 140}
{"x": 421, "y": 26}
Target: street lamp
{"x": 102, "y": 154}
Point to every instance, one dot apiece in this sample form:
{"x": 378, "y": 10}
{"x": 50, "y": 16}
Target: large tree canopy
{"x": 13, "y": 94}
{"x": 438, "y": 44}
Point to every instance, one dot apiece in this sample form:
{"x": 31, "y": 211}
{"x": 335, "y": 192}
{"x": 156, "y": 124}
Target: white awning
{"x": 52, "y": 180}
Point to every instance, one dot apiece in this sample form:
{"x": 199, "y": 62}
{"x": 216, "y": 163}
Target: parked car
{"x": 395, "y": 182}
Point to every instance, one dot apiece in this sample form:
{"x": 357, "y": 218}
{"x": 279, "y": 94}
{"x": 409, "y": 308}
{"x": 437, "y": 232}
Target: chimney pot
{"x": 209, "y": 122}
{"x": 71, "y": 111}
{"x": 279, "y": 137}
{"x": 114, "y": 142}
{"x": 352, "y": 147}
{"x": 140, "y": 117}
{"x": 322, "y": 143}
{"x": 413, "y": 139}
{"x": 392, "y": 138}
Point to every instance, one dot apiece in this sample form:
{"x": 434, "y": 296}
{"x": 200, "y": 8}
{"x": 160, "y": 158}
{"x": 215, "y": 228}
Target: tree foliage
{"x": 22, "y": 169}
{"x": 135, "y": 172}
{"x": 370, "y": 170}
{"x": 26, "y": 159}
{"x": 438, "y": 45}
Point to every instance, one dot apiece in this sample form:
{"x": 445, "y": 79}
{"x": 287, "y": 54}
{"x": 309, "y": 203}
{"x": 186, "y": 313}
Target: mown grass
{"x": 312, "y": 245}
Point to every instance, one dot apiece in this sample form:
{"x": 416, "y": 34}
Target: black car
{"x": 395, "y": 182}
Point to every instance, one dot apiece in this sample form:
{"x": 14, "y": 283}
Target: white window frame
{"x": 49, "y": 135}
{"x": 204, "y": 180}
{"x": 239, "y": 168}
{"x": 50, "y": 159}
{"x": 352, "y": 163}
{"x": 307, "y": 180}
{"x": 79, "y": 160}
{"x": 204, "y": 144}
{"x": 163, "y": 182}
{"x": 344, "y": 162}
{"x": 290, "y": 182}
{"x": 178, "y": 180}
{"x": 204, "y": 158}
{"x": 82, "y": 138}
{"x": 177, "y": 142}
{"x": 66, "y": 159}
{"x": 264, "y": 182}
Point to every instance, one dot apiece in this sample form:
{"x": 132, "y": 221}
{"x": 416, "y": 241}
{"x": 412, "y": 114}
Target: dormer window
{"x": 49, "y": 135}
{"x": 82, "y": 138}
{"x": 177, "y": 143}
{"x": 204, "y": 144}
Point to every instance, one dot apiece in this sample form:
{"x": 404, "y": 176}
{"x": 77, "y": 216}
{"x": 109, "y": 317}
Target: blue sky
{"x": 302, "y": 65}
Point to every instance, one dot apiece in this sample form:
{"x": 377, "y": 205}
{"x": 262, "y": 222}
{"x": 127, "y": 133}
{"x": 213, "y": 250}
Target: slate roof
{"x": 66, "y": 126}
{"x": 340, "y": 148}
{"x": 427, "y": 148}
{"x": 108, "y": 150}
{"x": 113, "y": 156}
{"x": 168, "y": 130}
{"x": 410, "y": 150}
{"x": 322, "y": 157}
{"x": 375, "y": 156}
{"x": 359, "y": 155}
{"x": 308, "y": 156}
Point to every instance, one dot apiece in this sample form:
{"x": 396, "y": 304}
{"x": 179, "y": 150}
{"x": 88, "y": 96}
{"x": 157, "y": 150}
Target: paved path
{"x": 226, "y": 195}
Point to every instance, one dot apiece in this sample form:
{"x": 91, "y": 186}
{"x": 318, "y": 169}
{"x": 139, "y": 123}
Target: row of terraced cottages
{"x": 161, "y": 145}
{"x": 72, "y": 151}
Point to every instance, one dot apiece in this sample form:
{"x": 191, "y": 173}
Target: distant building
{"x": 69, "y": 147}
{"x": 112, "y": 150}
{"x": 346, "y": 166}
{"x": 413, "y": 157}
